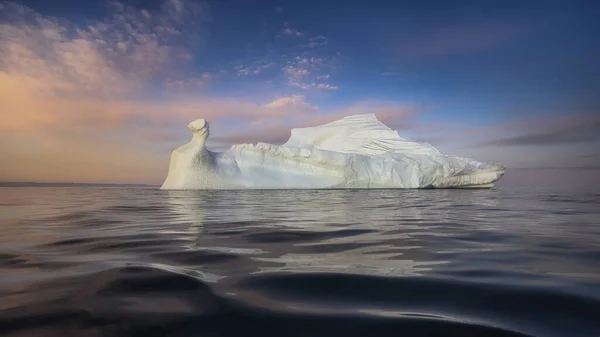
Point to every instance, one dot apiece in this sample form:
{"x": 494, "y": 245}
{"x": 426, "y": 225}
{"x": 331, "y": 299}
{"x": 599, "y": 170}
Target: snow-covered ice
{"x": 353, "y": 152}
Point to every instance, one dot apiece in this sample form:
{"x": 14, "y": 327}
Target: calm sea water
{"x": 522, "y": 259}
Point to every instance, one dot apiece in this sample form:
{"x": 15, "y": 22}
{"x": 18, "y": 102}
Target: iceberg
{"x": 353, "y": 152}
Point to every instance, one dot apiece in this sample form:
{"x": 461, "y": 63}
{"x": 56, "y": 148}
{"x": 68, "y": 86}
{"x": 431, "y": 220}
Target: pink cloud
{"x": 294, "y": 101}
{"x": 189, "y": 84}
{"x": 112, "y": 57}
{"x": 69, "y": 102}
{"x": 51, "y": 78}
{"x": 386, "y": 112}
{"x": 70, "y": 106}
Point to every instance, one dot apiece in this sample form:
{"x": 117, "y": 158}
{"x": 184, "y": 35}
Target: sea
{"x": 520, "y": 259}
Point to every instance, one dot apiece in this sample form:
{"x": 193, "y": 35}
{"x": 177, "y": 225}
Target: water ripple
{"x": 139, "y": 261}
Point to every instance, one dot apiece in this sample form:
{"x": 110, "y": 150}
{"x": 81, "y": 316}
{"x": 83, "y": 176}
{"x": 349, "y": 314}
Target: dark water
{"x": 109, "y": 261}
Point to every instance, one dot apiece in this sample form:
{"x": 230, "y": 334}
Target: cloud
{"x": 390, "y": 113}
{"x": 527, "y": 130}
{"x": 319, "y": 86}
{"x": 82, "y": 102}
{"x": 289, "y": 31}
{"x": 189, "y": 84}
{"x": 326, "y": 86}
{"x": 291, "y": 101}
{"x": 108, "y": 140}
{"x": 575, "y": 130}
{"x": 244, "y": 71}
{"x": 24, "y": 112}
{"x": 108, "y": 58}
{"x": 534, "y": 142}
{"x": 300, "y": 68}
{"x": 298, "y": 65}
{"x": 295, "y": 73}
{"x": 317, "y": 41}
{"x": 253, "y": 69}
{"x": 55, "y": 72}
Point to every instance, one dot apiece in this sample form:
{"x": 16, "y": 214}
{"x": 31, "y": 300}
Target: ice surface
{"x": 354, "y": 152}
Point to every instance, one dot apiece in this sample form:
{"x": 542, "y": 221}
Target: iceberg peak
{"x": 356, "y": 151}
{"x": 362, "y": 133}
{"x": 200, "y": 128}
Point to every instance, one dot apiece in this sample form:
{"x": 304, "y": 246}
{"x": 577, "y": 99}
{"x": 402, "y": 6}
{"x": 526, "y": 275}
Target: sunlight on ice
{"x": 354, "y": 152}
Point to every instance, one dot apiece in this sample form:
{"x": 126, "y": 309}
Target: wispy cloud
{"x": 299, "y": 68}
{"x": 326, "y": 86}
{"x": 574, "y": 130}
{"x": 535, "y": 142}
{"x": 317, "y": 41}
{"x": 190, "y": 84}
{"x": 57, "y": 74}
{"x": 244, "y": 71}
{"x": 253, "y": 69}
{"x": 112, "y": 57}
{"x": 74, "y": 97}
{"x": 303, "y": 65}
{"x": 289, "y": 31}
{"x": 295, "y": 73}
{"x": 313, "y": 85}
{"x": 291, "y": 101}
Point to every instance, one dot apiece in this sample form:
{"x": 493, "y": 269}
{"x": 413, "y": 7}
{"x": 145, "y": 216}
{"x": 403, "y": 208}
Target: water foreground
{"x": 95, "y": 261}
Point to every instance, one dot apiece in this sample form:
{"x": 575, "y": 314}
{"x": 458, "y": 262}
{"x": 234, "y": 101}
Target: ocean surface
{"x": 521, "y": 259}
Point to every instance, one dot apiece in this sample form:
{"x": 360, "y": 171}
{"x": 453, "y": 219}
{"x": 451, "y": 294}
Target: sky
{"x": 102, "y": 91}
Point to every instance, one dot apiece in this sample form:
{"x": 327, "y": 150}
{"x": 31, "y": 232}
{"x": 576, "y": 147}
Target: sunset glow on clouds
{"x": 107, "y": 98}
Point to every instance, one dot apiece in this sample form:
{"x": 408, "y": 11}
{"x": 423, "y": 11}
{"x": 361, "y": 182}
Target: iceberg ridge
{"x": 353, "y": 152}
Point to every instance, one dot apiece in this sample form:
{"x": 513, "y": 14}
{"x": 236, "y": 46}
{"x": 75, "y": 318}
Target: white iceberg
{"x": 354, "y": 152}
